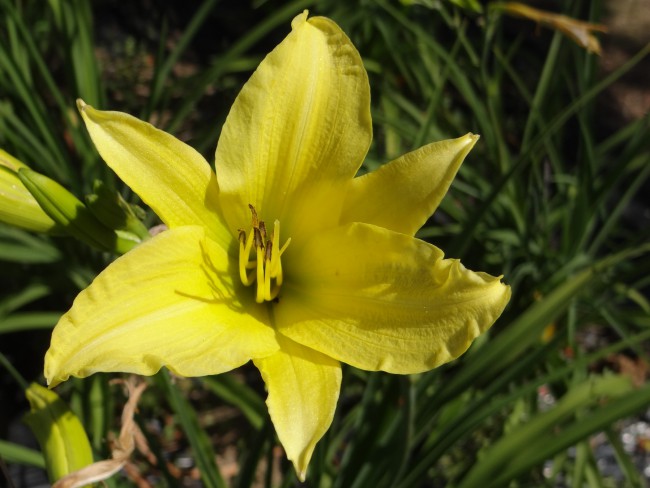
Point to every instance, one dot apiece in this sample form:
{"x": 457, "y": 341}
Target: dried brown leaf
{"x": 122, "y": 449}
{"x": 579, "y": 31}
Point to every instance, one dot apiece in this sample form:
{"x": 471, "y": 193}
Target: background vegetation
{"x": 552, "y": 197}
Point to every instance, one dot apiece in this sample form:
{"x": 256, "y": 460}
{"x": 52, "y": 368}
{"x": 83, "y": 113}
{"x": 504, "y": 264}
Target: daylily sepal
{"x": 195, "y": 197}
{"x": 172, "y": 293}
{"x": 414, "y": 184}
{"x": 303, "y": 386}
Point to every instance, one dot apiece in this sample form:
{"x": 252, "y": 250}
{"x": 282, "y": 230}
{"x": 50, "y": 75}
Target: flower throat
{"x": 265, "y": 267}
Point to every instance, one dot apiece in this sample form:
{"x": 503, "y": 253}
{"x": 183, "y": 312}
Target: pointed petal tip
{"x": 470, "y": 139}
{"x": 53, "y": 381}
{"x": 302, "y": 475}
{"x": 299, "y": 19}
{"x": 508, "y": 291}
{"x": 465, "y": 144}
{"x": 303, "y": 390}
{"x": 52, "y": 377}
{"x": 300, "y": 465}
{"x": 81, "y": 105}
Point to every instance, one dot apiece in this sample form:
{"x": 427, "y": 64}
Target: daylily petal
{"x": 380, "y": 300}
{"x": 172, "y": 301}
{"x": 303, "y": 387}
{"x": 402, "y": 194}
{"x": 298, "y": 131}
{"x": 170, "y": 176}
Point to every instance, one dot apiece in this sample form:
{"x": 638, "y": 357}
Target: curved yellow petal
{"x": 170, "y": 176}
{"x": 303, "y": 387}
{"x": 402, "y": 194}
{"x": 298, "y": 131}
{"x": 172, "y": 301}
{"x": 380, "y": 300}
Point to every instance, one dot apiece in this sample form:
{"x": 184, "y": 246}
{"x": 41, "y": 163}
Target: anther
{"x": 263, "y": 230}
{"x": 269, "y": 251}
{"x": 259, "y": 242}
{"x": 254, "y": 213}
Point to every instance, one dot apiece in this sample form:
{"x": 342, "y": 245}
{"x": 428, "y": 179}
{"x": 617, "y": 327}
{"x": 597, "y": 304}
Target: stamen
{"x": 275, "y": 259}
{"x": 259, "y": 297}
{"x": 259, "y": 242}
{"x": 245, "y": 246}
{"x": 243, "y": 257}
{"x": 267, "y": 270}
{"x": 255, "y": 219}
{"x": 266, "y": 265}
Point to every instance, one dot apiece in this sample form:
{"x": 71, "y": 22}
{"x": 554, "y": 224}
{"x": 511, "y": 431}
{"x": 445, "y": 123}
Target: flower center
{"x": 265, "y": 266}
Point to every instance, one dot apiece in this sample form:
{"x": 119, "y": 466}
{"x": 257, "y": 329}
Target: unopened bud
{"x": 59, "y": 432}
{"x": 114, "y": 212}
{"x": 71, "y": 214}
{"x": 17, "y": 205}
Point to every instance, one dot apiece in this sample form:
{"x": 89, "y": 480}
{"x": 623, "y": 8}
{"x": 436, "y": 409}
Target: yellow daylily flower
{"x": 344, "y": 281}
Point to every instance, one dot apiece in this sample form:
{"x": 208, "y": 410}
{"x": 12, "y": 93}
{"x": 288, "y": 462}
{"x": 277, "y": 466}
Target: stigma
{"x": 261, "y": 265}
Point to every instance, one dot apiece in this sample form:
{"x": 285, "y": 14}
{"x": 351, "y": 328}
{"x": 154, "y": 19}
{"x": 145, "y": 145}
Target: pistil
{"x": 265, "y": 266}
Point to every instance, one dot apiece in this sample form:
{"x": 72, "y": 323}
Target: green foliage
{"x": 544, "y": 198}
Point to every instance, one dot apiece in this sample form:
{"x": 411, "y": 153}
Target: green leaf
{"x": 19, "y": 246}
{"x": 28, "y": 321}
{"x": 544, "y": 435}
{"x": 238, "y": 394}
{"x": 526, "y": 329}
{"x": 15, "y": 453}
{"x": 31, "y": 292}
{"x": 203, "y": 452}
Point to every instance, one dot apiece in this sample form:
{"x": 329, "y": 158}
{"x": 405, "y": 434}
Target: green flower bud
{"x": 59, "y": 432}
{"x": 17, "y": 205}
{"x": 71, "y": 214}
{"x": 113, "y": 211}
